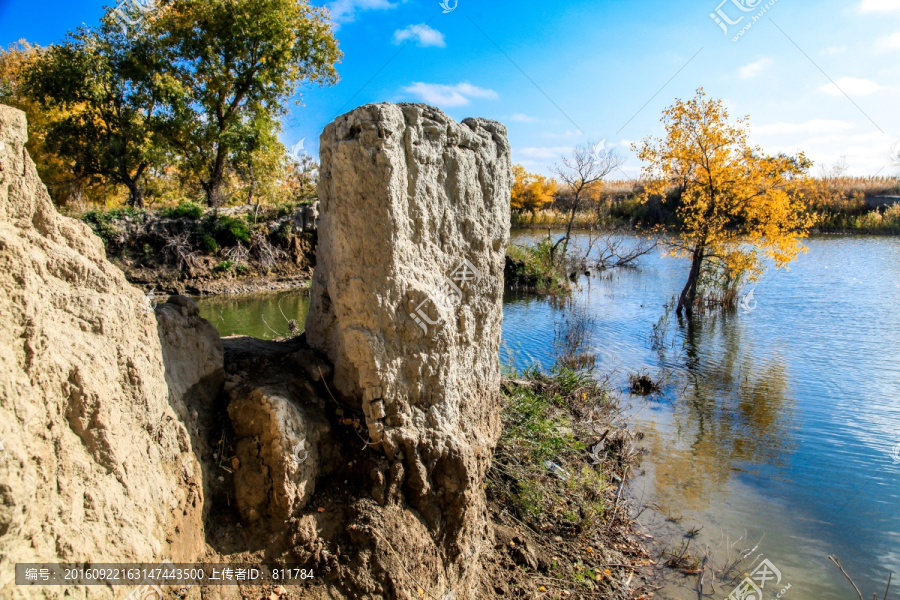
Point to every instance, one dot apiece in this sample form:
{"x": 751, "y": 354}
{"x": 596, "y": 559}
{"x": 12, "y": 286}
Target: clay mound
{"x": 95, "y": 465}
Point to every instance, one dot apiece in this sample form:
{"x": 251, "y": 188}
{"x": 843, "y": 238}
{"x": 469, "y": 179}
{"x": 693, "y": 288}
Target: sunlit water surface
{"x": 776, "y": 426}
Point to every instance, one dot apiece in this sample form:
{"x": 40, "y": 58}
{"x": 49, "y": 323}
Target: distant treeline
{"x": 837, "y": 203}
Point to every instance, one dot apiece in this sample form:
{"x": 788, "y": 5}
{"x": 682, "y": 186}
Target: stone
{"x": 306, "y": 218}
{"x": 284, "y": 440}
{"x": 277, "y": 451}
{"x": 98, "y": 467}
{"x": 407, "y": 301}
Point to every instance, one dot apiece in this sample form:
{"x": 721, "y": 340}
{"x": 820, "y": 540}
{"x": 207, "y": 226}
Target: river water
{"x": 776, "y": 425}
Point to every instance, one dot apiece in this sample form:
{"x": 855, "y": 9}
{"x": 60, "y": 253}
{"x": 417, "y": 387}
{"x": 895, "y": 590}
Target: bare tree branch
{"x": 837, "y": 562}
{"x": 586, "y": 166}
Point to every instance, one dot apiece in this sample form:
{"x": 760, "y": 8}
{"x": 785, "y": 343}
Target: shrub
{"x": 100, "y": 224}
{"x": 208, "y": 244}
{"x": 530, "y": 268}
{"x": 284, "y": 234}
{"x": 185, "y": 210}
{"x": 242, "y": 269}
{"x": 224, "y": 266}
{"x": 101, "y": 220}
{"x": 227, "y": 231}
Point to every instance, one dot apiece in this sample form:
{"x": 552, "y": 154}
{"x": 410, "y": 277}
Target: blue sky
{"x": 567, "y": 72}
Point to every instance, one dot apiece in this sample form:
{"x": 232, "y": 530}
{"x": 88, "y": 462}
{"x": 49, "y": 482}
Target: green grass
{"x": 185, "y": 210}
{"x": 533, "y": 269}
{"x": 224, "y": 266}
{"x": 541, "y": 470}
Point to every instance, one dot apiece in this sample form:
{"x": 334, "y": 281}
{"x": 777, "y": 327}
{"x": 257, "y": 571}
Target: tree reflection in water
{"x": 732, "y": 412}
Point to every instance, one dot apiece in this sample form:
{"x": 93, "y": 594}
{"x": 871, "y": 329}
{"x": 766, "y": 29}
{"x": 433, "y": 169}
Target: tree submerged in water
{"x": 736, "y": 205}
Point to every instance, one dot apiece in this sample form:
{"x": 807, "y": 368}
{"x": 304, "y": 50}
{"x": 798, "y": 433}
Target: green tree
{"x": 260, "y": 161}
{"x": 301, "y": 180}
{"x": 236, "y": 64}
{"x": 737, "y": 205}
{"x": 104, "y": 106}
{"x": 54, "y": 171}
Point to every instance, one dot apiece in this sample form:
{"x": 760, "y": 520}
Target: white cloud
{"x": 891, "y": 42}
{"x": 852, "y": 86}
{"x": 344, "y": 11}
{"x": 879, "y": 6}
{"x": 561, "y": 136}
{"x": 866, "y": 153}
{"x": 755, "y": 68}
{"x": 423, "y": 34}
{"x": 545, "y": 153}
{"x": 834, "y": 50}
{"x": 811, "y": 127}
{"x": 449, "y": 95}
{"x": 522, "y": 118}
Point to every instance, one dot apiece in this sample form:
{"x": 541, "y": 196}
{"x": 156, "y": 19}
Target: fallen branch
{"x": 837, "y": 562}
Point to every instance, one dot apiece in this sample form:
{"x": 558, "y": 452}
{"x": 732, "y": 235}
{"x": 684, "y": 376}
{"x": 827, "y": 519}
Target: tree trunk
{"x": 213, "y": 190}
{"x": 136, "y": 197}
{"x": 213, "y": 185}
{"x": 689, "y": 293}
{"x": 565, "y": 239}
{"x": 569, "y": 227}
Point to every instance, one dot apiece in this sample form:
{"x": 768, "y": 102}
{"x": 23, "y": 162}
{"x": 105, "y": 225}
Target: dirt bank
{"x": 189, "y": 250}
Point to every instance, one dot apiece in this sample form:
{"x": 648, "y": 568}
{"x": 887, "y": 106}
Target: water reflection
{"x": 774, "y": 425}
{"x": 731, "y": 412}
{"x": 264, "y": 316}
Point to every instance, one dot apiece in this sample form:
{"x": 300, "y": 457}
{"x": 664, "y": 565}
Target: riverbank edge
{"x": 212, "y": 287}
{"x": 555, "y": 490}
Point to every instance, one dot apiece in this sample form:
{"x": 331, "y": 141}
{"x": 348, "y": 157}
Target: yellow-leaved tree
{"x": 55, "y": 170}
{"x": 737, "y": 205}
{"x": 531, "y": 191}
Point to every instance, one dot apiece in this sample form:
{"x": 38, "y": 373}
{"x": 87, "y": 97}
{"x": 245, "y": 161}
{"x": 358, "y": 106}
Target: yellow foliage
{"x": 738, "y": 205}
{"x": 53, "y": 169}
{"x": 531, "y": 191}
